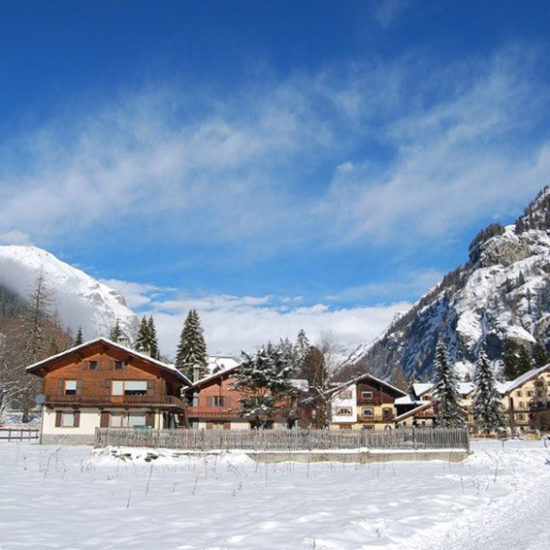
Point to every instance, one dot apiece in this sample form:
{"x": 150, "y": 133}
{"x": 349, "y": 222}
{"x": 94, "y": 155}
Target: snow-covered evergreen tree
{"x": 265, "y": 381}
{"x": 191, "y": 350}
{"x": 302, "y": 348}
{"x": 146, "y": 339}
{"x": 142, "y": 339}
{"x": 153, "y": 345}
{"x": 78, "y": 338}
{"x": 116, "y": 332}
{"x": 488, "y": 414}
{"x": 446, "y": 390}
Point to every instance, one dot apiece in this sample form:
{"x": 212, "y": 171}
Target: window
{"x": 345, "y": 394}
{"x": 127, "y": 420}
{"x": 344, "y": 411}
{"x": 92, "y": 365}
{"x": 426, "y": 398}
{"x": 366, "y": 394}
{"x": 119, "y": 365}
{"x": 70, "y": 387}
{"x": 529, "y": 394}
{"x": 367, "y": 412}
{"x": 218, "y": 401}
{"x": 67, "y": 420}
{"x": 519, "y": 393}
{"x": 129, "y": 387}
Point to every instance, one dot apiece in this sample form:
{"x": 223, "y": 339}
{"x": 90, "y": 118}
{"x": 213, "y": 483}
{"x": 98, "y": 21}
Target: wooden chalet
{"x": 366, "y": 402}
{"x": 105, "y": 384}
{"x": 215, "y": 404}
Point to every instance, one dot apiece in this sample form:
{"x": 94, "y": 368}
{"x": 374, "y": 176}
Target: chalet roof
{"x": 361, "y": 378}
{"x": 525, "y": 377}
{"x": 414, "y": 411}
{"x": 409, "y": 399}
{"x": 165, "y": 366}
{"x": 211, "y": 377}
{"x": 423, "y": 407}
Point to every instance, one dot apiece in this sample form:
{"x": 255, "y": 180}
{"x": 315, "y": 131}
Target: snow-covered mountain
{"x": 502, "y": 292}
{"x": 78, "y": 299}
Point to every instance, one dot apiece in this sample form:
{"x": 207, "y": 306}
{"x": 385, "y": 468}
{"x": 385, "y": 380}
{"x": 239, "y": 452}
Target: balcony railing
{"x": 377, "y": 417}
{"x": 116, "y": 400}
{"x": 211, "y": 412}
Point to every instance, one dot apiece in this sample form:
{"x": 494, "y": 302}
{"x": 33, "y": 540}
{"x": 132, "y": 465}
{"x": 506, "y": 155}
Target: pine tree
{"x": 446, "y": 391}
{"x": 524, "y": 362}
{"x": 511, "y": 359}
{"x": 191, "y": 350}
{"x": 265, "y": 383}
{"x": 142, "y": 339}
{"x": 301, "y": 349}
{"x": 78, "y": 338}
{"x": 540, "y": 355}
{"x": 116, "y": 332}
{"x": 154, "y": 351}
{"x": 487, "y": 410}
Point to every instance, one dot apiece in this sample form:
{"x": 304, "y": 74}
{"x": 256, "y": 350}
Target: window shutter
{"x": 78, "y": 387}
{"x": 104, "y": 421}
{"x": 107, "y": 386}
{"x": 150, "y": 419}
{"x": 76, "y": 419}
{"x": 58, "y": 419}
{"x": 228, "y": 401}
{"x": 150, "y": 387}
{"x": 209, "y": 401}
{"x": 60, "y": 386}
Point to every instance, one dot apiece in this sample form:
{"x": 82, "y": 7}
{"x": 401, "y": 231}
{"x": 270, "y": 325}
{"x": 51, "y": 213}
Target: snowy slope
{"x": 502, "y": 292}
{"x": 78, "y": 299}
{"x": 497, "y": 499}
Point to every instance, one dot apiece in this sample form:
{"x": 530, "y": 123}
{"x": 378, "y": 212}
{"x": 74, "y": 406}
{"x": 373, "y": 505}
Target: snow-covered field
{"x": 66, "y": 497}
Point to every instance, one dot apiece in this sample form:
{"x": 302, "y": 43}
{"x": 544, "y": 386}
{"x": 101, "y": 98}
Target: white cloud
{"x": 230, "y": 330}
{"x": 236, "y": 323}
{"x": 456, "y": 142}
{"x": 15, "y": 237}
{"x": 387, "y": 11}
{"x": 137, "y": 295}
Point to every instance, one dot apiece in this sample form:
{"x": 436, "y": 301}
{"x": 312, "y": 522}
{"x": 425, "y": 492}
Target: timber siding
{"x": 79, "y": 397}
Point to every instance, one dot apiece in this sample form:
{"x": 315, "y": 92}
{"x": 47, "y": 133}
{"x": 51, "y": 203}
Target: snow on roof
{"x": 165, "y": 366}
{"x": 420, "y": 388}
{"x": 412, "y": 412}
{"x": 407, "y": 400}
{"x": 464, "y": 388}
{"x": 361, "y": 377}
{"x": 215, "y": 375}
{"x": 525, "y": 377}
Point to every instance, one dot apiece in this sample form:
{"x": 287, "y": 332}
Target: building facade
{"x": 365, "y": 402}
{"x": 104, "y": 384}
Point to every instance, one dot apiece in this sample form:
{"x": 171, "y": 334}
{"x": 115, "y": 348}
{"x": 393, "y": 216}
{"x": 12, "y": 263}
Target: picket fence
{"x": 285, "y": 440}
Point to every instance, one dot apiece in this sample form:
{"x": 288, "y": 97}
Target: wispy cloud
{"x": 387, "y": 11}
{"x": 411, "y": 150}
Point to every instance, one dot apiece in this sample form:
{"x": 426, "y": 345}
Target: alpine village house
{"x": 103, "y": 384}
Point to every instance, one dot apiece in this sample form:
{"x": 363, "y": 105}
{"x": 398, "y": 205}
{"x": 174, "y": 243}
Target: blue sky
{"x": 274, "y": 164}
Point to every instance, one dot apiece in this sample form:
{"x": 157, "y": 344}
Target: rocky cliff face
{"x": 502, "y": 292}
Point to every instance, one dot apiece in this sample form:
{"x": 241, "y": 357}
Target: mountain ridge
{"x": 77, "y": 298}
{"x": 502, "y": 292}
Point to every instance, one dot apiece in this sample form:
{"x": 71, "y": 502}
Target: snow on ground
{"x": 71, "y": 498}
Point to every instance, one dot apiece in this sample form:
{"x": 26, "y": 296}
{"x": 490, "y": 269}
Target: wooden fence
{"x": 19, "y": 434}
{"x": 285, "y": 440}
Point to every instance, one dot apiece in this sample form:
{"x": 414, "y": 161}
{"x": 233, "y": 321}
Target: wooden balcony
{"x": 163, "y": 401}
{"x": 376, "y": 418}
{"x": 212, "y": 412}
